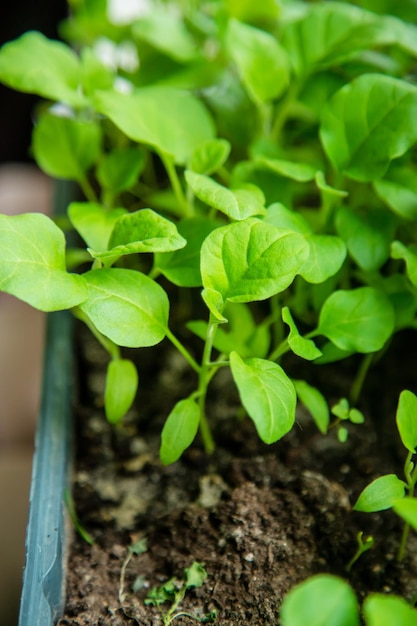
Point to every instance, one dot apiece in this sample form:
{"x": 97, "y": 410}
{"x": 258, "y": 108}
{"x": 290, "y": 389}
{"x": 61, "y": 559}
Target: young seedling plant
{"x": 390, "y": 491}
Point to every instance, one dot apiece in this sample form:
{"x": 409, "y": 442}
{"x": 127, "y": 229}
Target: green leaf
{"x": 304, "y": 348}
{"x": 35, "y": 64}
{"x": 253, "y": 50}
{"x": 142, "y": 116}
{"x": 66, "y": 147}
{"x": 409, "y": 254}
{"x": 120, "y": 169}
{"x": 327, "y": 35}
{"x": 407, "y": 509}
{"x": 126, "y": 306}
{"x": 367, "y": 235}
{"x": 406, "y": 418}
{"x": 215, "y": 304}
{"x": 368, "y": 123}
{"x": 380, "y": 494}
{"x": 121, "y": 386}
{"x": 237, "y": 204}
{"x": 251, "y": 260}
{"x": 315, "y": 403}
{"x": 326, "y": 256}
{"x": 209, "y": 156}
{"x": 94, "y": 75}
{"x": 322, "y": 600}
{"x": 326, "y": 252}
{"x": 358, "y": 320}
{"x": 141, "y": 231}
{"x": 32, "y": 263}
{"x": 165, "y": 30}
{"x": 398, "y": 190}
{"x": 267, "y": 394}
{"x": 301, "y": 172}
{"x": 94, "y": 223}
{"x": 195, "y": 575}
{"x": 387, "y": 610}
{"x": 182, "y": 267}
{"x": 252, "y": 10}
{"x": 179, "y": 430}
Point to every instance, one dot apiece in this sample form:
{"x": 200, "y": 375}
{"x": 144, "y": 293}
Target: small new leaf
{"x": 380, "y": 494}
{"x": 179, "y": 430}
{"x": 121, "y": 386}
{"x": 407, "y": 419}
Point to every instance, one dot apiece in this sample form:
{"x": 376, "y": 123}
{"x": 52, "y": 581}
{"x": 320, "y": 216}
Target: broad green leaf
{"x": 304, "y": 348}
{"x": 32, "y": 263}
{"x": 406, "y": 418}
{"x": 267, "y": 394}
{"x": 327, "y": 253}
{"x": 322, "y": 600}
{"x": 387, "y": 610}
{"x": 327, "y": 189}
{"x": 120, "y": 169}
{"x": 407, "y": 509}
{"x": 409, "y": 254}
{"x": 315, "y": 403}
{"x": 358, "y": 320}
{"x": 182, "y": 267}
{"x": 380, "y": 494}
{"x": 35, "y": 64}
{"x": 141, "y": 231}
{"x": 399, "y": 191}
{"x": 301, "y": 172}
{"x": 66, "y": 147}
{"x": 367, "y": 234}
{"x": 368, "y": 123}
{"x": 327, "y": 35}
{"x": 179, "y": 430}
{"x": 253, "y": 50}
{"x": 126, "y": 306}
{"x": 237, "y": 204}
{"x": 251, "y": 260}
{"x": 165, "y": 30}
{"x": 209, "y": 157}
{"x": 94, "y": 223}
{"x": 142, "y": 116}
{"x": 121, "y": 386}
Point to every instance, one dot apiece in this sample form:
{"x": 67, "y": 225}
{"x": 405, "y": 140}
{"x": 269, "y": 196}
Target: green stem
{"x": 360, "y": 378}
{"x": 87, "y": 189}
{"x": 284, "y": 107}
{"x": 107, "y": 344}
{"x": 183, "y": 350}
{"x": 206, "y": 374}
{"x": 176, "y": 185}
{"x": 411, "y": 477}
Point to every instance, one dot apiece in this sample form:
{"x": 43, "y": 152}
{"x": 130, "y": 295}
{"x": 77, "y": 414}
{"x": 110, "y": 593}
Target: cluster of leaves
{"x": 254, "y": 159}
{"x": 287, "y": 197}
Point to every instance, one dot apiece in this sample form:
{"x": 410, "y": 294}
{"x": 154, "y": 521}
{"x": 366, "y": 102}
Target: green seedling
{"x": 364, "y": 544}
{"x": 84, "y": 534}
{"x": 326, "y": 600}
{"x": 173, "y": 591}
{"x": 137, "y": 548}
{"x": 389, "y": 491}
{"x": 256, "y": 201}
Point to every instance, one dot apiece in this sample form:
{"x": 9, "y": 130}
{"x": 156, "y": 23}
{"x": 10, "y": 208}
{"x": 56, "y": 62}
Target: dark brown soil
{"x": 261, "y": 518}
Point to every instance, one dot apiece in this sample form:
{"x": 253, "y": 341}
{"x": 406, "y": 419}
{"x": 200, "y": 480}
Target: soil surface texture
{"x": 260, "y": 518}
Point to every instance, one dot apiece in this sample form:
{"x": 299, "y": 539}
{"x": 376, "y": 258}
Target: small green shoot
{"x": 84, "y": 534}
{"x": 364, "y": 544}
{"x": 173, "y": 591}
{"x": 389, "y": 491}
{"x": 139, "y": 547}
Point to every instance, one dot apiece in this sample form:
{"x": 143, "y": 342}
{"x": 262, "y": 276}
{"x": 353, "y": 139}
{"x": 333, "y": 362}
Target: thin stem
{"x": 107, "y": 344}
{"x": 183, "y": 350}
{"x": 87, "y": 189}
{"x": 206, "y": 373}
{"x": 176, "y": 185}
{"x": 411, "y": 477}
{"x": 360, "y": 378}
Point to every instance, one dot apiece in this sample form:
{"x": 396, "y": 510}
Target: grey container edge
{"x": 48, "y": 529}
